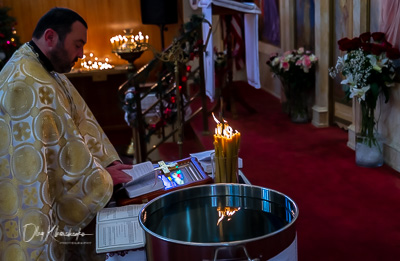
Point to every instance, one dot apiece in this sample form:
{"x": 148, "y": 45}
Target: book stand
{"x": 186, "y": 173}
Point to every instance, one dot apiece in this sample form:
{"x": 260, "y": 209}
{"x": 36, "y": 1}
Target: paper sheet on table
{"x": 204, "y": 158}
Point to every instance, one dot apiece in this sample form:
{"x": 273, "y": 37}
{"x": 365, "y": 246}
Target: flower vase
{"x": 369, "y": 143}
{"x": 369, "y": 151}
{"x": 298, "y": 106}
{"x": 299, "y": 116}
{"x": 284, "y": 98}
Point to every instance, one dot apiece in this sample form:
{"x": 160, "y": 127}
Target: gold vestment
{"x": 53, "y": 155}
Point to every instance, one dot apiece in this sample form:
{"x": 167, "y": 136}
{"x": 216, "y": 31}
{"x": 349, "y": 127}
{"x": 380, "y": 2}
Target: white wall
{"x": 268, "y": 82}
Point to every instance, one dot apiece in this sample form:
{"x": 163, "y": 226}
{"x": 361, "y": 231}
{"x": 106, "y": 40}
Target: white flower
{"x": 359, "y": 92}
{"x": 313, "y": 58}
{"x": 275, "y": 61}
{"x": 340, "y": 64}
{"x": 349, "y": 81}
{"x": 288, "y": 57}
{"x": 377, "y": 64}
{"x": 345, "y": 57}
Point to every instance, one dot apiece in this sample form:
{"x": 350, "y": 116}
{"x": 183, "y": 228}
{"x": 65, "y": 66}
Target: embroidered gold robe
{"x": 53, "y": 155}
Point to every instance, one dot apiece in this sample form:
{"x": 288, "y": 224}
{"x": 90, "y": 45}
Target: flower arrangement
{"x": 296, "y": 70}
{"x": 292, "y": 63}
{"x": 368, "y": 71}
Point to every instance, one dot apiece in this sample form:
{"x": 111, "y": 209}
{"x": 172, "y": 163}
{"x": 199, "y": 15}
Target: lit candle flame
{"x": 128, "y": 42}
{"x": 215, "y": 119}
{"x": 223, "y": 129}
{"x": 94, "y": 63}
{"x": 227, "y": 212}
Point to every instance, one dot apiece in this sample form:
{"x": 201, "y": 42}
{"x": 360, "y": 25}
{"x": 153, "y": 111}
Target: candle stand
{"x": 131, "y": 56}
{"x": 130, "y": 47}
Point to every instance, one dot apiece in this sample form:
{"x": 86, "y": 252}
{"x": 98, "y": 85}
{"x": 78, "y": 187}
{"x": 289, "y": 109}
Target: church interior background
{"x": 283, "y": 25}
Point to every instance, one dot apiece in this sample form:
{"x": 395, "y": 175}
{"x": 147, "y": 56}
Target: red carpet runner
{"x": 346, "y": 212}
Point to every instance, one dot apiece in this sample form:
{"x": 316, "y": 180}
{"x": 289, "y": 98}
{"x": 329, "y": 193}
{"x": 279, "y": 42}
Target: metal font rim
{"x": 215, "y": 187}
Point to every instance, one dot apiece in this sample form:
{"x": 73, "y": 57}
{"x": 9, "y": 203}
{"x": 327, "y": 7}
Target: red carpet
{"x": 346, "y": 212}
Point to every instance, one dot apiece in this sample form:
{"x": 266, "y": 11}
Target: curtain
{"x": 390, "y": 21}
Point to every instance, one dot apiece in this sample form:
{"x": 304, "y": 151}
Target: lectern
{"x": 228, "y": 8}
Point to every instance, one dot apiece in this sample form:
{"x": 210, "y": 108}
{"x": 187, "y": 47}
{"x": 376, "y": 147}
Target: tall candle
{"x": 226, "y": 146}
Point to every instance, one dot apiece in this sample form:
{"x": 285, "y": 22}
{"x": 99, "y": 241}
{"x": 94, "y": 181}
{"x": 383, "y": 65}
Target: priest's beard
{"x": 60, "y": 60}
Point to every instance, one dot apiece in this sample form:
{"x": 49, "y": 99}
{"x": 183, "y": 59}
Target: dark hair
{"x": 58, "y": 19}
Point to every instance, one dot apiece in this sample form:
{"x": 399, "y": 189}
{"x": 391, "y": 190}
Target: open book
{"x": 144, "y": 180}
{"x": 118, "y": 229}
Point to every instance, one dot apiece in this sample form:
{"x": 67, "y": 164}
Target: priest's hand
{"x": 117, "y": 175}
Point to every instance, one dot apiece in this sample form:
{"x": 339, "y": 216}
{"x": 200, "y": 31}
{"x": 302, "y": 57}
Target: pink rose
{"x": 285, "y": 66}
{"x": 307, "y": 62}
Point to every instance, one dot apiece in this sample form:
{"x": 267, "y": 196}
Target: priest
{"x": 57, "y": 167}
